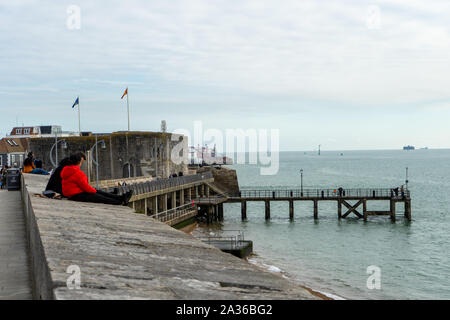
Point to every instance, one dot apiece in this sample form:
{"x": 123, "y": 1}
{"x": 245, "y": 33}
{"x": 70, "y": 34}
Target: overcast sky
{"x": 343, "y": 74}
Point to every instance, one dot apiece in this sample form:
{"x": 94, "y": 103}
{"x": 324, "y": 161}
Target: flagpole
{"x": 79, "y": 121}
{"x": 128, "y": 109}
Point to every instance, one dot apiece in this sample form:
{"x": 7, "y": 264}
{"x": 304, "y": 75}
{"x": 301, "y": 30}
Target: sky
{"x": 349, "y": 75}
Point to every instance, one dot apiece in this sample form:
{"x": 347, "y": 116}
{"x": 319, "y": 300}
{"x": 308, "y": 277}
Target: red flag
{"x": 125, "y": 93}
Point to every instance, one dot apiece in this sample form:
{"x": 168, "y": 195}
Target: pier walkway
{"x": 342, "y": 197}
{"x": 164, "y": 198}
{"x": 15, "y": 282}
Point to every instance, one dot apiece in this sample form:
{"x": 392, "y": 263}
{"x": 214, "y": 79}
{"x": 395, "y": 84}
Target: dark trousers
{"x": 99, "y": 197}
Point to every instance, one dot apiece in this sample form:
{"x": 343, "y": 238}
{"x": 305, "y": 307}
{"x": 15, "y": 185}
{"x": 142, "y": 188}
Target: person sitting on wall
{"x": 75, "y": 185}
{"x": 29, "y": 166}
{"x": 54, "y": 185}
{"x": 3, "y": 176}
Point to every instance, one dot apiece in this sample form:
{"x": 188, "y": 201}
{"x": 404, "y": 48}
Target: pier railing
{"x": 174, "y": 213}
{"x": 319, "y": 193}
{"x": 211, "y": 200}
{"x": 232, "y": 242}
{"x": 161, "y": 184}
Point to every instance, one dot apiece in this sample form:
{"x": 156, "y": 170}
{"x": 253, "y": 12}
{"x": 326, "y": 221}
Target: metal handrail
{"x": 235, "y": 240}
{"x": 156, "y": 185}
{"x": 211, "y": 199}
{"x": 174, "y": 212}
{"x": 319, "y": 193}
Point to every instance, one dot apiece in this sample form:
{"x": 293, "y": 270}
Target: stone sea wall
{"x": 123, "y": 255}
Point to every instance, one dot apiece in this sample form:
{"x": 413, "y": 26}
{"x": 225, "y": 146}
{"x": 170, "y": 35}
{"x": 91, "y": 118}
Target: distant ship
{"x": 409, "y": 148}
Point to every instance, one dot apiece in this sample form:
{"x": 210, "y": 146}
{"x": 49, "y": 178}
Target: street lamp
{"x": 406, "y": 181}
{"x": 63, "y": 145}
{"x": 301, "y": 182}
{"x": 103, "y": 146}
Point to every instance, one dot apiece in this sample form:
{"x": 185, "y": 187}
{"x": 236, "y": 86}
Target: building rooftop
{"x": 10, "y": 145}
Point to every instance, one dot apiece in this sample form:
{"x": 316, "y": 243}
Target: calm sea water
{"x": 331, "y": 255}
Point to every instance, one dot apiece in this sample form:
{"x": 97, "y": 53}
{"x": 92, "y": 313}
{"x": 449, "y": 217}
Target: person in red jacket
{"x": 75, "y": 185}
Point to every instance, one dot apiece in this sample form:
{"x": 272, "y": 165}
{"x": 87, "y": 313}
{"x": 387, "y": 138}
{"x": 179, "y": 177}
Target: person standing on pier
{"x": 396, "y": 191}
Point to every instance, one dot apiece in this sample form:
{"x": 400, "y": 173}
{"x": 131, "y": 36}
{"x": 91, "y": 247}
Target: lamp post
{"x": 406, "y": 180}
{"x": 301, "y": 182}
{"x": 55, "y": 145}
{"x": 103, "y": 146}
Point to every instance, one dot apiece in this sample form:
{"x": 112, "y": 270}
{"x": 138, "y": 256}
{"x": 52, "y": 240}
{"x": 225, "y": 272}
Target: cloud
{"x": 109, "y": 82}
{"x": 303, "y": 49}
{"x": 245, "y": 57}
{"x": 438, "y": 106}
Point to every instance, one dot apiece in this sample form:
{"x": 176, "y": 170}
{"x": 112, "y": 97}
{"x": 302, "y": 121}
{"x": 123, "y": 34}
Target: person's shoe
{"x": 126, "y": 197}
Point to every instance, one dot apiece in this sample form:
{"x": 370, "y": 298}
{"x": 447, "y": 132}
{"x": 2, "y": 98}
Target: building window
{"x": 26, "y": 131}
{"x": 18, "y": 131}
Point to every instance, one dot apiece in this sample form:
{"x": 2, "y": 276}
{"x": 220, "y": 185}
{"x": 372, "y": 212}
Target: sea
{"x": 350, "y": 258}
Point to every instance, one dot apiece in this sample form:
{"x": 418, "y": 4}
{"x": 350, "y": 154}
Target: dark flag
{"x": 76, "y": 103}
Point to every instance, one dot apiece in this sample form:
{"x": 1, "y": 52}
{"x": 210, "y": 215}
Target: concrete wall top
{"x": 124, "y": 255}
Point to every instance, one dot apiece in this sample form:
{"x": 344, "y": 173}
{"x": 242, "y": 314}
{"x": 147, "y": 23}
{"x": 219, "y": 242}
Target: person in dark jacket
{"x": 75, "y": 185}
{"x": 54, "y": 184}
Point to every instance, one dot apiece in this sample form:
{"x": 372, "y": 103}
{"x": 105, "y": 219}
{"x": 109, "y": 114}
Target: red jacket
{"x": 74, "y": 181}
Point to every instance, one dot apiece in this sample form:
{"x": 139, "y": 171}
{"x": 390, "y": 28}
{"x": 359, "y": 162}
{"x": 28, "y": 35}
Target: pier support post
{"x": 202, "y": 190}
{"x": 216, "y": 212}
{"x": 210, "y": 213}
{"x": 316, "y": 209}
{"x": 155, "y": 205}
{"x": 146, "y": 206}
{"x": 339, "y": 208}
{"x": 181, "y": 197}
{"x": 365, "y": 209}
{"x": 164, "y": 202}
{"x": 393, "y": 210}
{"x": 221, "y": 212}
{"x": 291, "y": 210}
{"x": 187, "y": 195}
{"x": 244, "y": 210}
{"x": 408, "y": 210}
{"x": 174, "y": 200}
{"x": 267, "y": 203}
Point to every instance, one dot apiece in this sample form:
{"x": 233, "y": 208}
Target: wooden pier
{"x": 171, "y": 197}
{"x": 359, "y": 197}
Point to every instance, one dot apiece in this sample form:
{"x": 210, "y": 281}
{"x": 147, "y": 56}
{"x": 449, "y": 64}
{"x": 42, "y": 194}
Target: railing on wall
{"x": 175, "y": 213}
{"x": 161, "y": 184}
{"x": 320, "y": 193}
{"x": 233, "y": 239}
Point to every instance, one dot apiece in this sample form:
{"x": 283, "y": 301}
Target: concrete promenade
{"x": 124, "y": 255}
{"x": 15, "y": 280}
